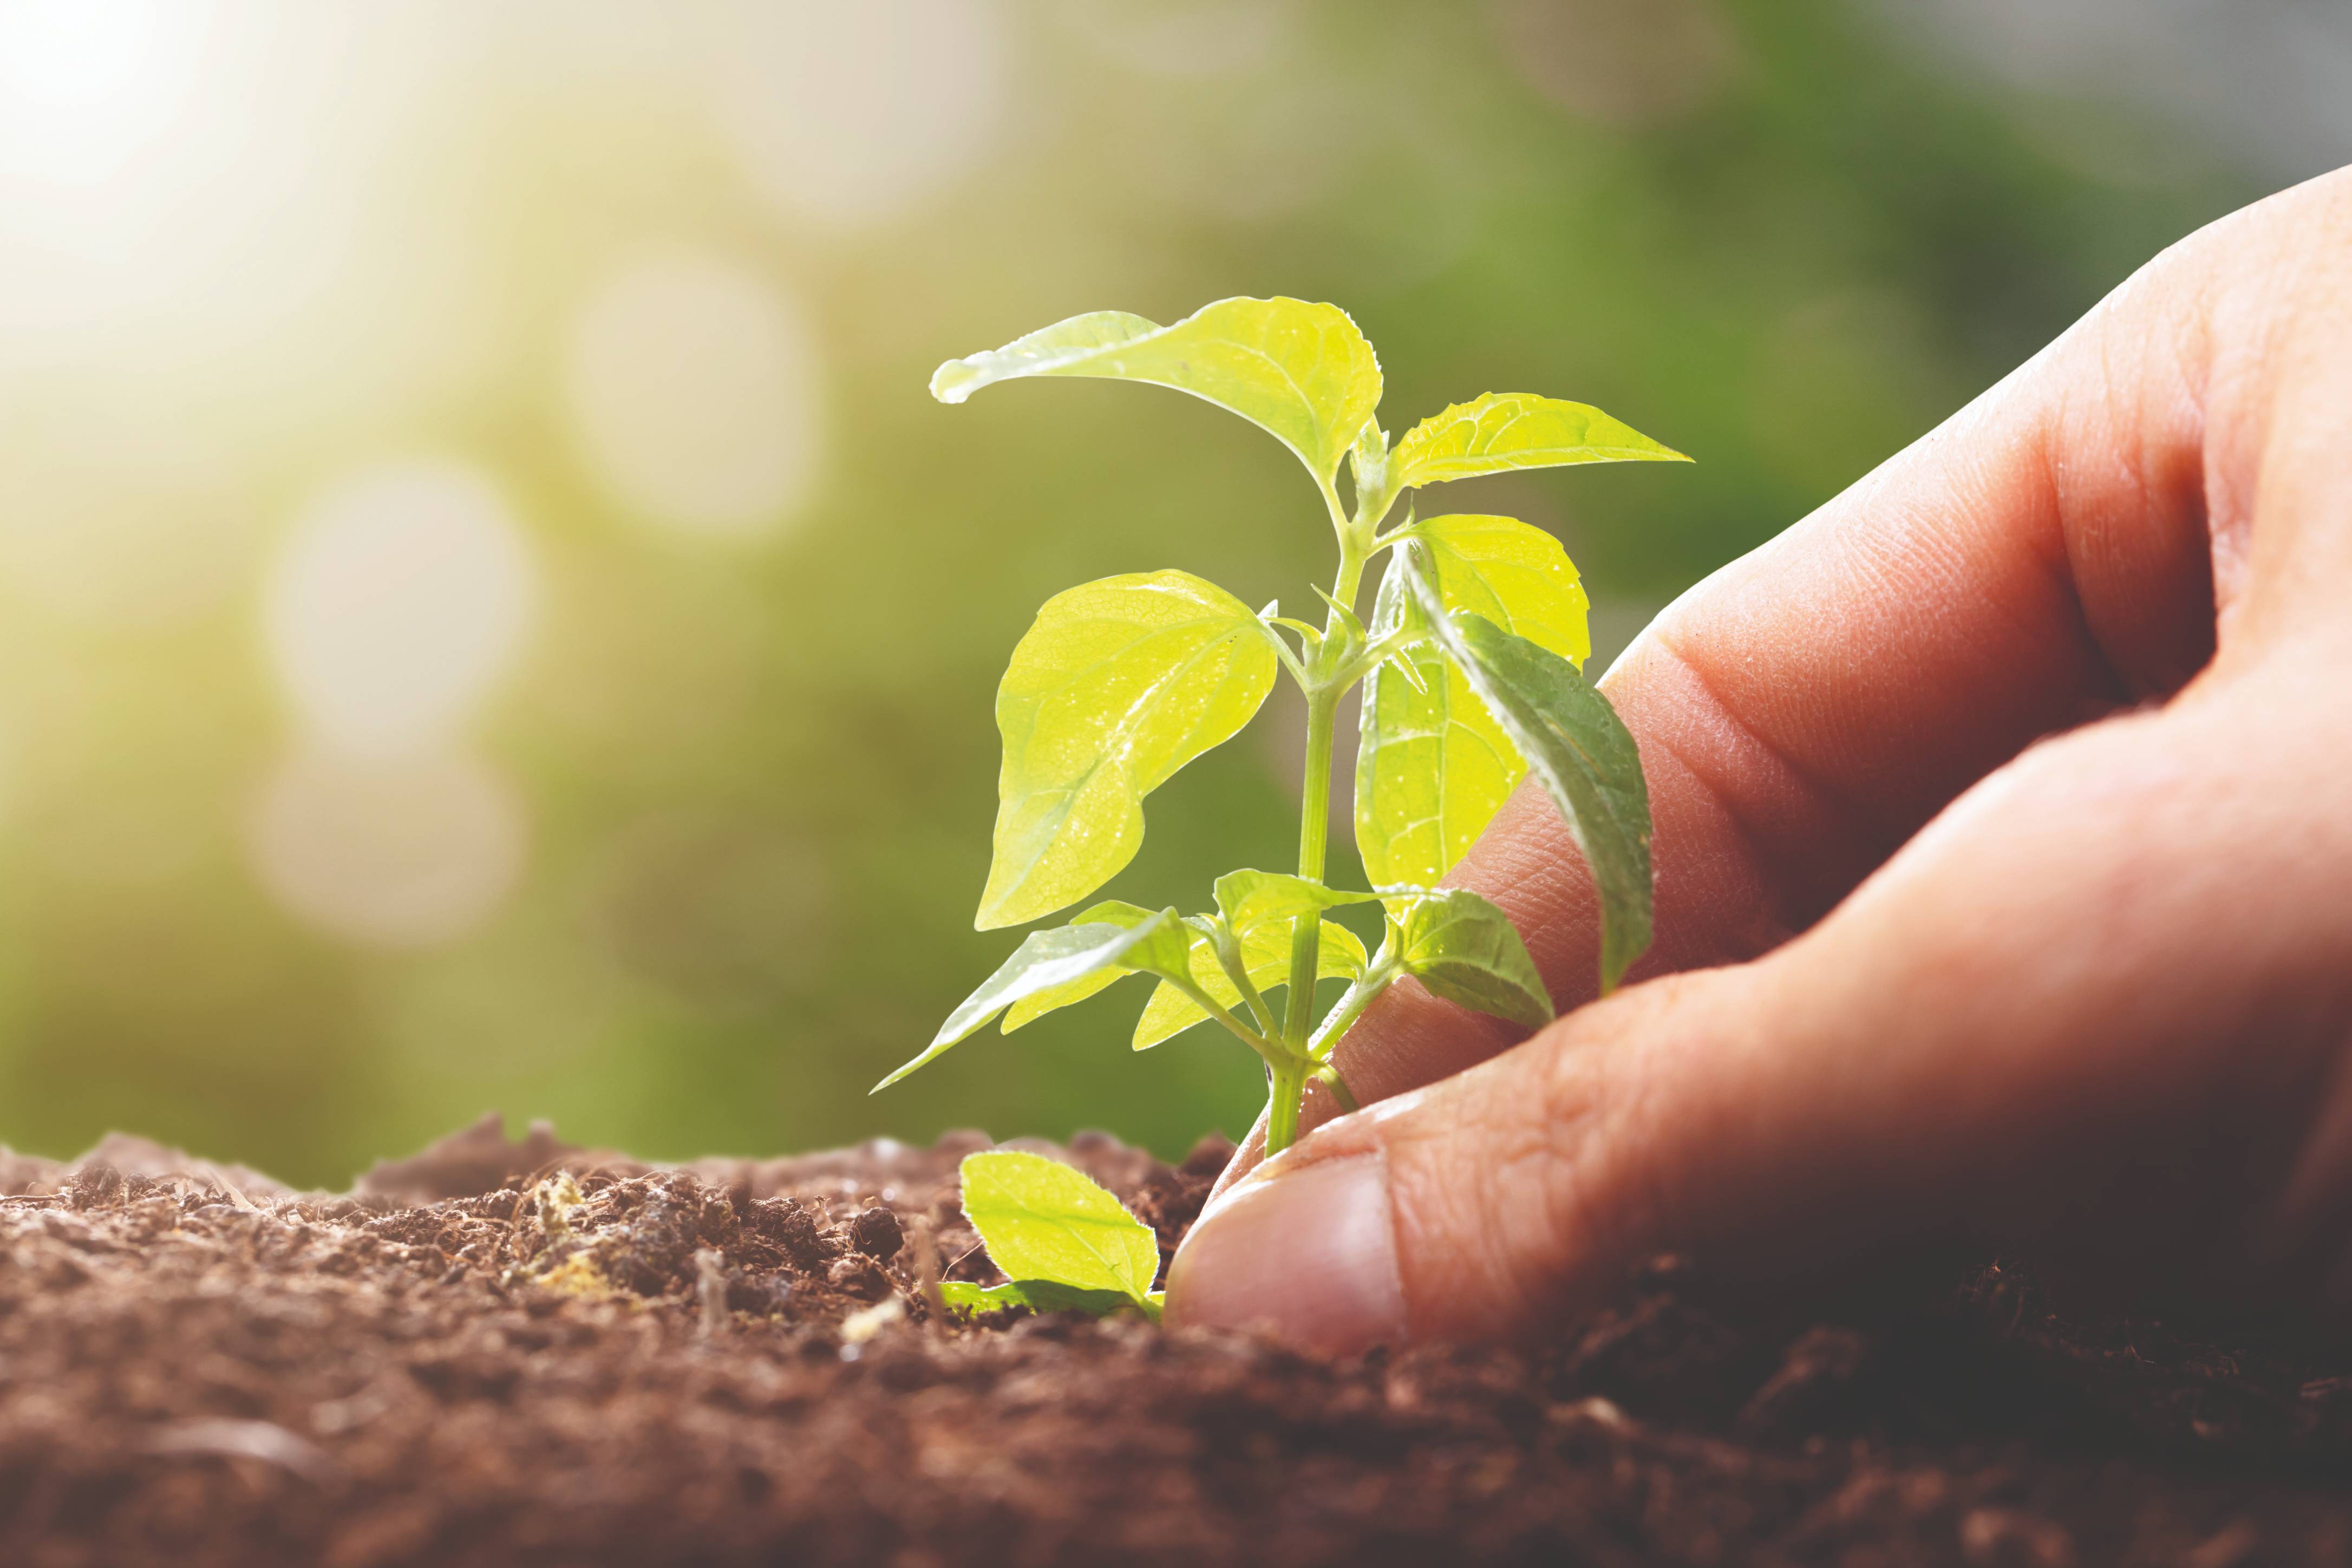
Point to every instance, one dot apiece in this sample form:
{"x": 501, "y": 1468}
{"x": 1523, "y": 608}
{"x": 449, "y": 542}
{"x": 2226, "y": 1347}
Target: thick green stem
{"x": 1289, "y": 1087}
{"x": 1314, "y": 846}
{"x": 1331, "y": 673}
{"x": 1323, "y": 692}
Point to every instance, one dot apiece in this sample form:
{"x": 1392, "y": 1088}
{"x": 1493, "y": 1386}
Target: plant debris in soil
{"x": 522, "y": 1353}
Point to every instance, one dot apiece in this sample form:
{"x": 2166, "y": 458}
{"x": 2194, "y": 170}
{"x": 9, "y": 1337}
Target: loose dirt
{"x": 523, "y": 1354}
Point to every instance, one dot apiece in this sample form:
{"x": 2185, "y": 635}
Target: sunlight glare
{"x": 86, "y": 85}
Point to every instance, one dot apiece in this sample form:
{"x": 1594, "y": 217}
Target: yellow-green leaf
{"x": 1127, "y": 939}
{"x": 1043, "y": 1222}
{"x": 1516, "y": 575}
{"x": 1114, "y": 912}
{"x": 1504, "y": 430}
{"x": 1043, "y": 1296}
{"x": 1580, "y": 751}
{"x": 1031, "y": 1008}
{"x": 1117, "y": 684}
{"x": 1265, "y": 959}
{"x": 1433, "y": 765}
{"x": 1253, "y": 901}
{"x": 1301, "y": 371}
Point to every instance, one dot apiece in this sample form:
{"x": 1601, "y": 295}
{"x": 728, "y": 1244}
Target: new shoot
{"x": 1471, "y": 664}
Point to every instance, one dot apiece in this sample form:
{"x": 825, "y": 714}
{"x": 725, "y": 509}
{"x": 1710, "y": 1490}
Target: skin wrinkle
{"x": 1587, "y": 1215}
{"x": 1792, "y": 791}
{"x": 2118, "y": 553}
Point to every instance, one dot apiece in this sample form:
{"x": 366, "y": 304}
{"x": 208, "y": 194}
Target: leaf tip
{"x": 954, "y": 381}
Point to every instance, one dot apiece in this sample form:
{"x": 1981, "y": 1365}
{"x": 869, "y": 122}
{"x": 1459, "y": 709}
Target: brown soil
{"x": 464, "y": 1361}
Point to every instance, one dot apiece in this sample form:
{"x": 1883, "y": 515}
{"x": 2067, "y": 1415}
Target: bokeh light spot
{"x": 402, "y": 597}
{"x": 394, "y": 853}
{"x": 692, "y": 395}
{"x": 844, "y": 115}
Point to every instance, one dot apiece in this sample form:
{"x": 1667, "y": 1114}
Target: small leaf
{"x": 1581, "y": 752}
{"x": 1504, "y": 430}
{"x": 1368, "y": 461}
{"x": 970, "y": 1300}
{"x": 1265, "y": 959}
{"x": 1048, "y": 960}
{"x": 1117, "y": 684}
{"x": 1043, "y": 1222}
{"x": 1465, "y": 950}
{"x": 1113, "y": 912}
{"x": 1255, "y": 901}
{"x": 1042, "y": 1296}
{"x": 1301, "y": 371}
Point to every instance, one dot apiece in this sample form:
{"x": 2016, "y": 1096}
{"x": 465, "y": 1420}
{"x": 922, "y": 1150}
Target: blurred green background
{"x": 490, "y": 619}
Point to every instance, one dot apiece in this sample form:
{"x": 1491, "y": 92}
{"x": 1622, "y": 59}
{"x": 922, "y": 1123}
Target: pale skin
{"x": 2003, "y": 836}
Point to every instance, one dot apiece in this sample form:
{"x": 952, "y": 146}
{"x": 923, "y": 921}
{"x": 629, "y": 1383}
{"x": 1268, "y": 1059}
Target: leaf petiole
{"x": 1328, "y": 1075}
{"x": 1379, "y": 976}
{"x": 1308, "y": 636}
{"x": 1228, "y": 950}
{"x": 1277, "y": 1056}
{"x": 1380, "y": 651}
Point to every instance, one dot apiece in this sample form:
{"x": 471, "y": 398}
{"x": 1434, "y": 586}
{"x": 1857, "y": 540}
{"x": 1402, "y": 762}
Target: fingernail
{"x": 1307, "y": 1255}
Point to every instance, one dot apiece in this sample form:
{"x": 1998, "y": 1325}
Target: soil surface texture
{"x": 507, "y": 1353}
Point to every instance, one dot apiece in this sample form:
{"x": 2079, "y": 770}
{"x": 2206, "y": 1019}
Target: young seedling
{"x": 1470, "y": 665}
{"x": 1063, "y": 1243}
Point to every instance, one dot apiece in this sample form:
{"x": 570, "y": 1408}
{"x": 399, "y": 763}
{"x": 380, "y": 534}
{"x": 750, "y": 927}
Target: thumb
{"x": 1468, "y": 1209}
{"x": 2097, "y": 999}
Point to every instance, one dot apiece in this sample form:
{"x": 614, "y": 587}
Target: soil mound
{"x": 504, "y": 1352}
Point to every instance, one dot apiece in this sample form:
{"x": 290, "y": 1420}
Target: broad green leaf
{"x": 1505, "y": 430}
{"x": 1113, "y": 911}
{"x": 1048, "y": 959}
{"x": 1465, "y": 950}
{"x": 1301, "y": 371}
{"x": 1117, "y": 684}
{"x": 1043, "y": 1221}
{"x": 1582, "y": 753}
{"x": 1265, "y": 959}
{"x": 1431, "y": 766}
{"x": 1516, "y": 575}
{"x": 1253, "y": 900}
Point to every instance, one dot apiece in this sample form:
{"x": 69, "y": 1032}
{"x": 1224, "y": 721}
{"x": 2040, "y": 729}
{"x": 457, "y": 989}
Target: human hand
{"x": 2003, "y": 836}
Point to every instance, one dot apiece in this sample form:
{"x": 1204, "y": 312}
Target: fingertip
{"x": 1305, "y": 1254}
